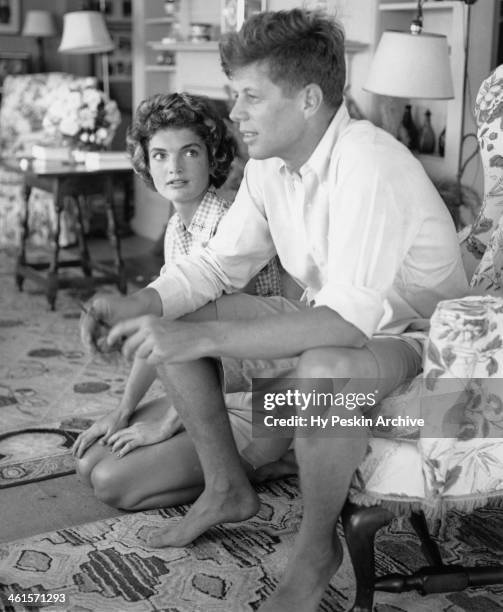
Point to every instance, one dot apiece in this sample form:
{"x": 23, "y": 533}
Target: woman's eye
{"x": 157, "y": 156}
{"x": 191, "y": 153}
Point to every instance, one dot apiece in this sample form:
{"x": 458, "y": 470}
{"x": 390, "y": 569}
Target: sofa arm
{"x": 463, "y": 369}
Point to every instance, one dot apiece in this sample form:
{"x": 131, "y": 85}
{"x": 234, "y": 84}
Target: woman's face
{"x": 179, "y": 165}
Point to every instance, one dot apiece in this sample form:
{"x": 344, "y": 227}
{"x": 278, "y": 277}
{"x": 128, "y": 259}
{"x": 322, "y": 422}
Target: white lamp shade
{"x": 40, "y": 24}
{"x": 411, "y": 66}
{"x": 85, "y": 32}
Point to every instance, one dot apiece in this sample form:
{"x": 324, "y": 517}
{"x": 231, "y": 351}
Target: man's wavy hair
{"x": 298, "y": 47}
{"x": 181, "y": 110}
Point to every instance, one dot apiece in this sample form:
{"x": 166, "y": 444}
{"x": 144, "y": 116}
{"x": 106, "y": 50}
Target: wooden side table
{"x": 64, "y": 180}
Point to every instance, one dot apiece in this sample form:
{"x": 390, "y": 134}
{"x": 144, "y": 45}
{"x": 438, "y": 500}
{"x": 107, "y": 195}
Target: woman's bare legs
{"x": 162, "y": 474}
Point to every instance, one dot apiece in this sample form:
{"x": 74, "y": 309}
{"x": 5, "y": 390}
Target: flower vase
{"x": 78, "y": 156}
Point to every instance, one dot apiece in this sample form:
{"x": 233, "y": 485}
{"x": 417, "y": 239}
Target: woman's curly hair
{"x": 181, "y": 110}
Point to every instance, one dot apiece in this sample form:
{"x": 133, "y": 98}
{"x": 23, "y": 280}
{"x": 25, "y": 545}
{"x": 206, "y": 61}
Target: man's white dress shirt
{"x": 360, "y": 227}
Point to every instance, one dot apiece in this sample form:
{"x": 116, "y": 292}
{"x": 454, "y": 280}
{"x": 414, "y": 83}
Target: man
{"x": 356, "y": 222}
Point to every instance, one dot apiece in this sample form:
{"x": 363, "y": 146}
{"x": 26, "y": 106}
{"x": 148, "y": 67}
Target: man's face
{"x": 271, "y": 121}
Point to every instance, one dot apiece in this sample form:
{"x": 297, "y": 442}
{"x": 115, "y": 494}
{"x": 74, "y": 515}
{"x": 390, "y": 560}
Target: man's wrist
{"x": 148, "y": 301}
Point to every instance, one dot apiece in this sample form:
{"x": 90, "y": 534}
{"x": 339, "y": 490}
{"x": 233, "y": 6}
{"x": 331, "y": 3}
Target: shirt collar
{"x": 320, "y": 157}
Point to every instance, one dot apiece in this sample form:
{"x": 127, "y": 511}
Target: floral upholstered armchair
{"x": 456, "y": 459}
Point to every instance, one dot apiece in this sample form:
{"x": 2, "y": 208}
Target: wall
{"x": 360, "y": 19}
{"x": 54, "y": 61}
{"x": 82, "y": 65}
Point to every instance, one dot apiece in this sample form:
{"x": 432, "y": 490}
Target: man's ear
{"x": 312, "y": 99}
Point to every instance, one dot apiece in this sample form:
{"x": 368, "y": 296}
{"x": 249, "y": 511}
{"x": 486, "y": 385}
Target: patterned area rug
{"x": 49, "y": 389}
{"x": 106, "y": 565}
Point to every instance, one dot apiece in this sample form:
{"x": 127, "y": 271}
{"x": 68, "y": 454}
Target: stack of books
{"x": 54, "y": 154}
{"x": 97, "y": 160}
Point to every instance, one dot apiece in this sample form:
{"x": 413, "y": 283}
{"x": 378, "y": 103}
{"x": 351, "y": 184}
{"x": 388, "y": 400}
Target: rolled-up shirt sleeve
{"x": 364, "y": 252}
{"x": 241, "y": 246}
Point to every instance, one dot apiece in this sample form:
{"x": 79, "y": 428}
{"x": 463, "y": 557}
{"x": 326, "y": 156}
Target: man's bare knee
{"x": 328, "y": 363}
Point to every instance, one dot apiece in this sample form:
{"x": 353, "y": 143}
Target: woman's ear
{"x": 313, "y": 99}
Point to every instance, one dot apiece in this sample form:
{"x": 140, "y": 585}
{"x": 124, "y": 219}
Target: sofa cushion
{"x": 463, "y": 372}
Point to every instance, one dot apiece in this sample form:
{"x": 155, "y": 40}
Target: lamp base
{"x": 39, "y": 60}
{"x": 391, "y": 114}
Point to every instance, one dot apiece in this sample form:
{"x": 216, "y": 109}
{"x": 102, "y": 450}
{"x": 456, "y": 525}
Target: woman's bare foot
{"x": 213, "y": 507}
{"x": 307, "y": 575}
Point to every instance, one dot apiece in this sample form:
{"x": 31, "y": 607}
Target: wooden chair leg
{"x": 360, "y": 525}
{"x": 429, "y": 547}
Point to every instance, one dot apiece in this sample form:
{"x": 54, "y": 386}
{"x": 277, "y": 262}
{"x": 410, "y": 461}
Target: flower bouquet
{"x": 82, "y": 117}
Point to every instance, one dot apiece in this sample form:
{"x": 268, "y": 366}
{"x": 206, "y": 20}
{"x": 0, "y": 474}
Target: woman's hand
{"x": 103, "y": 429}
{"x": 145, "y": 433}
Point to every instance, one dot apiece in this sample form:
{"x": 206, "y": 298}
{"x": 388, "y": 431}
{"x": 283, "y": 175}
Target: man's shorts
{"x": 397, "y": 359}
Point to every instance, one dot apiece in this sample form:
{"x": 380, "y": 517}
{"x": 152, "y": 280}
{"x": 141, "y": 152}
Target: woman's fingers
{"x": 125, "y": 443}
{"x": 84, "y": 440}
{"x": 129, "y": 446}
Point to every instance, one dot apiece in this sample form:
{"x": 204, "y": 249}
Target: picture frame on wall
{"x": 235, "y": 12}
{"x": 9, "y": 16}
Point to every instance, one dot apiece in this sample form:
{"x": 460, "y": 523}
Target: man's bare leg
{"x": 228, "y": 495}
{"x": 326, "y": 466}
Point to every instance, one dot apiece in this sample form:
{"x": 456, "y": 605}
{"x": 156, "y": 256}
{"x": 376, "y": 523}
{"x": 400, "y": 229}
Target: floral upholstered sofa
{"x": 25, "y": 103}
{"x": 454, "y": 460}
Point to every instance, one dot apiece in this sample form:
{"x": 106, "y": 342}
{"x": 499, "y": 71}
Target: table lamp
{"x": 416, "y": 64}
{"x": 86, "y": 32}
{"x": 412, "y": 64}
{"x": 407, "y": 65}
{"x": 40, "y": 25}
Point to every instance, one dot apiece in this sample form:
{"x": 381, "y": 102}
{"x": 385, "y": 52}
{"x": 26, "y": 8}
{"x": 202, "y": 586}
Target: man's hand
{"x": 160, "y": 341}
{"x": 103, "y": 428}
{"x": 103, "y": 311}
{"x": 144, "y": 434}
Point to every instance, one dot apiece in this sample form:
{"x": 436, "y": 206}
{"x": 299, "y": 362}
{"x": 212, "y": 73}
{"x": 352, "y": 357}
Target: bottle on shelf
{"x": 441, "y": 143}
{"x": 426, "y": 139}
{"x": 407, "y": 130}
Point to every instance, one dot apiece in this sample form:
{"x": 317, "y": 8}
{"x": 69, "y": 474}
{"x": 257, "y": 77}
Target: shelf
{"x": 159, "y": 20}
{"x": 159, "y": 68}
{"x": 119, "y": 79}
{"x": 124, "y": 22}
{"x": 211, "y": 45}
{"x": 354, "y": 46}
{"x": 412, "y": 6}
